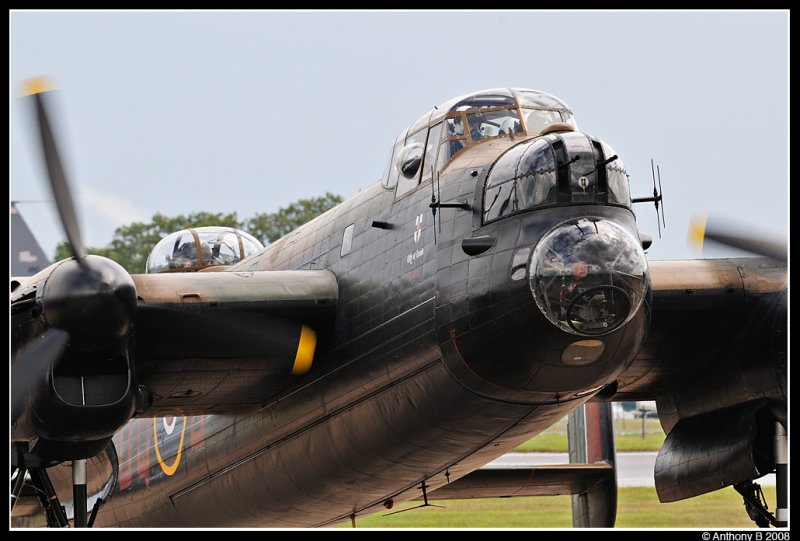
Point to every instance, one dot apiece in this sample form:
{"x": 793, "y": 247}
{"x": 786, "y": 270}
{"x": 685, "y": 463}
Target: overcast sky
{"x": 249, "y": 111}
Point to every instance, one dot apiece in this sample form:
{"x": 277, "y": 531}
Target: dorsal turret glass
{"x": 197, "y": 248}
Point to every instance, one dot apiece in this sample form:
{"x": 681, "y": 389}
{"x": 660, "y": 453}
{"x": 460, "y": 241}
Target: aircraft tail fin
{"x": 25, "y": 255}
{"x": 590, "y": 433}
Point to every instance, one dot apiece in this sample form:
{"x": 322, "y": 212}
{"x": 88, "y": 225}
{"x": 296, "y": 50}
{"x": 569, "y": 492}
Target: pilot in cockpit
{"x": 510, "y": 126}
{"x": 184, "y": 255}
{"x": 455, "y": 129}
{"x": 476, "y": 131}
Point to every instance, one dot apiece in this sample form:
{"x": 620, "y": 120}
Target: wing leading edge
{"x": 713, "y": 321}
{"x": 218, "y": 342}
{"x": 715, "y": 362}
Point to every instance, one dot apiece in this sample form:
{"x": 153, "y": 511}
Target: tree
{"x": 132, "y": 243}
{"x": 269, "y": 227}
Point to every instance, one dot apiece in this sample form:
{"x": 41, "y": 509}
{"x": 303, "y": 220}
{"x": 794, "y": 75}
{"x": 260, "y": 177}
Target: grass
{"x": 627, "y": 436}
{"x": 638, "y": 508}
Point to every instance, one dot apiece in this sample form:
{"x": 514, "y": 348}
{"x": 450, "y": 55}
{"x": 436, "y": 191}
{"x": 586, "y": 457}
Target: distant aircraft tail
{"x": 25, "y": 256}
{"x": 590, "y": 433}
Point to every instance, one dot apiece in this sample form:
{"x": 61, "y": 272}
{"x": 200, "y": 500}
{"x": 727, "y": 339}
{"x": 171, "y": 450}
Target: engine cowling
{"x": 711, "y": 451}
{"x": 73, "y": 404}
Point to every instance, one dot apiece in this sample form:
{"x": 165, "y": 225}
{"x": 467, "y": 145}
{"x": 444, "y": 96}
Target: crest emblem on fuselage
{"x": 418, "y": 228}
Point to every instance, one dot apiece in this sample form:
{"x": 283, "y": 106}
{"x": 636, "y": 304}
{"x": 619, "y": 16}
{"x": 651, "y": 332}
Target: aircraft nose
{"x": 588, "y": 276}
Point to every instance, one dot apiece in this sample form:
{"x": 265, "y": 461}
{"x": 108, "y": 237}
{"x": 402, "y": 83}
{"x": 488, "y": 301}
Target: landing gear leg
{"x": 19, "y": 482}
{"x": 56, "y": 517}
{"x": 755, "y": 504}
{"x": 781, "y": 476}
{"x": 79, "y": 491}
{"x": 97, "y": 504}
{"x": 754, "y": 501}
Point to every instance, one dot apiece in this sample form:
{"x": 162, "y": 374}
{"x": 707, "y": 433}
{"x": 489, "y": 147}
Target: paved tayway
{"x": 633, "y": 469}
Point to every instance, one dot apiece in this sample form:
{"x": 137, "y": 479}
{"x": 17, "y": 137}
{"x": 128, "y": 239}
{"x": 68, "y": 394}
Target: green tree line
{"x": 132, "y": 243}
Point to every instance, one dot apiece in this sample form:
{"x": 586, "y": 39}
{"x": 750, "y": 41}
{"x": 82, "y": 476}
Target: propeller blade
{"x": 700, "y": 230}
{"x": 37, "y": 89}
{"x": 33, "y": 362}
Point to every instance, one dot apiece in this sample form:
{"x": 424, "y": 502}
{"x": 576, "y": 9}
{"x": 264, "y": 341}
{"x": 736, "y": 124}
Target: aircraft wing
{"x": 715, "y": 362}
{"x": 212, "y": 342}
{"x": 715, "y": 325}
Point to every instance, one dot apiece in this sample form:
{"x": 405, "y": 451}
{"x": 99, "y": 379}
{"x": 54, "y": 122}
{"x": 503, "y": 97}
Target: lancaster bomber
{"x": 492, "y": 281}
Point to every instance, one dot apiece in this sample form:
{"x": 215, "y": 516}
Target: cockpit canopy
{"x": 197, "y": 248}
{"x": 432, "y": 142}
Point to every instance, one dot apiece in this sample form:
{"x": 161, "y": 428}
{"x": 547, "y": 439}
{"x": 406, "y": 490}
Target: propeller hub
{"x": 92, "y": 299}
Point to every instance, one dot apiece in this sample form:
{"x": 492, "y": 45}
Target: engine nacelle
{"x": 711, "y": 451}
{"x": 71, "y": 405}
{"x": 198, "y": 248}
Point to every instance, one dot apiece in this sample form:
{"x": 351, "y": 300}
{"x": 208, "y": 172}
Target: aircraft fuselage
{"x": 439, "y": 362}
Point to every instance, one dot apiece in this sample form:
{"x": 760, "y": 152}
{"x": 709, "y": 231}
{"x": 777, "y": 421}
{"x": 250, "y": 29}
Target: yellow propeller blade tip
{"x": 697, "y": 232}
{"x": 36, "y": 85}
{"x": 305, "y": 351}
